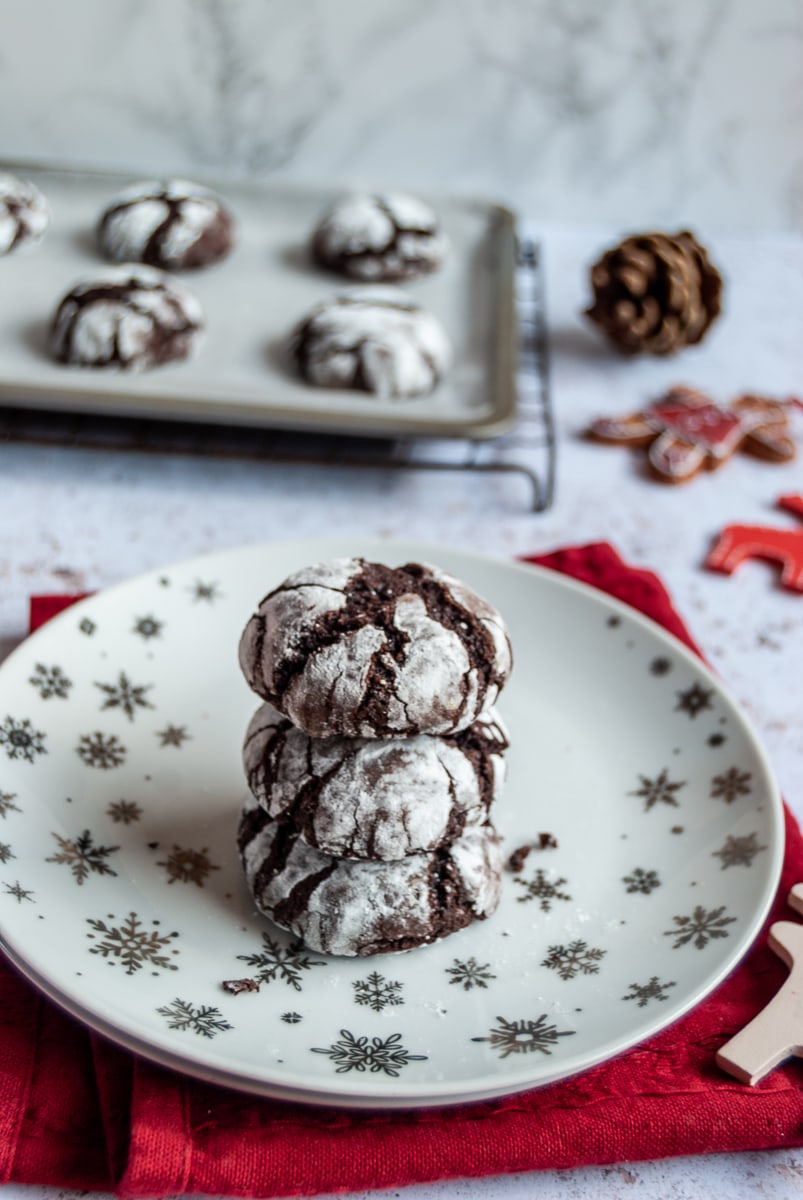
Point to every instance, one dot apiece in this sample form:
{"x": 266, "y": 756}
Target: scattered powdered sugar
{"x": 376, "y": 340}
{"x": 126, "y": 318}
{"x": 24, "y": 213}
{"x": 373, "y": 798}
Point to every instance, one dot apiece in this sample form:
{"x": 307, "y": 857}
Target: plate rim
{"x": 400, "y": 1094}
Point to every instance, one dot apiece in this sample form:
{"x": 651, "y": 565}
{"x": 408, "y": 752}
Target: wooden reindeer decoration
{"x": 739, "y": 542}
{"x": 777, "y": 1032}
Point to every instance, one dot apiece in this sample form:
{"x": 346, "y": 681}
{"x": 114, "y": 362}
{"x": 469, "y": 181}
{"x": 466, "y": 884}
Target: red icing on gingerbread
{"x": 705, "y": 425}
{"x": 737, "y": 543}
{"x": 685, "y": 431}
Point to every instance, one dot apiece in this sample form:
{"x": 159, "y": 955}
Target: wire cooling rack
{"x": 527, "y": 448}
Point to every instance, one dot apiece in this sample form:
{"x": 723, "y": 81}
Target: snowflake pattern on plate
{"x": 148, "y": 627}
{"x": 275, "y": 961}
{"x": 738, "y": 851}
{"x": 730, "y": 785}
{"x": 20, "y": 740}
{"x": 694, "y": 700}
{"x": 470, "y": 974}
{"x": 641, "y": 881}
{"x": 101, "y": 750}
{"x": 7, "y": 804}
{"x": 700, "y": 928}
{"x": 208, "y": 592}
{"x": 363, "y": 1054}
{"x": 18, "y": 892}
{"x": 87, "y": 626}
{"x": 6, "y": 852}
{"x": 377, "y": 993}
{"x": 577, "y": 958}
{"x": 124, "y": 812}
{"x": 659, "y": 790}
{"x": 291, "y": 1018}
{"x": 660, "y": 666}
{"x": 125, "y": 695}
{"x": 188, "y": 866}
{"x": 131, "y": 945}
{"x": 50, "y": 681}
{"x": 652, "y": 990}
{"x": 542, "y": 889}
{"x": 205, "y": 1020}
{"x": 524, "y": 1036}
{"x": 82, "y": 856}
{"x": 173, "y": 735}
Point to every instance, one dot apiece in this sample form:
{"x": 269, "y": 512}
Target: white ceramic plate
{"x": 121, "y": 893}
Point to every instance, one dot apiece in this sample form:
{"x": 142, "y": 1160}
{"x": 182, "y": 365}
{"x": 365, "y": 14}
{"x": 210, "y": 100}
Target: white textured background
{"x": 626, "y": 112}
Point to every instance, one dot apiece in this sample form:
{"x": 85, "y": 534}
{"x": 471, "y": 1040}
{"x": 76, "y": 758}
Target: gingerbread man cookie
{"x": 685, "y": 432}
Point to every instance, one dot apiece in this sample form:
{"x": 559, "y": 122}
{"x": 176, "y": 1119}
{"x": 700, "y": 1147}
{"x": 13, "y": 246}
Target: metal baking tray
{"x": 251, "y": 302}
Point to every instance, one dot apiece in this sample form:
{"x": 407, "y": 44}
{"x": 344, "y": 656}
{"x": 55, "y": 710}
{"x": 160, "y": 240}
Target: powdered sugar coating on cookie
{"x": 374, "y": 340}
{"x": 360, "y": 649}
{"x": 386, "y": 236}
{"x": 132, "y": 318}
{"x": 374, "y": 799}
{"x": 24, "y": 213}
{"x": 337, "y": 906}
{"x": 175, "y": 225}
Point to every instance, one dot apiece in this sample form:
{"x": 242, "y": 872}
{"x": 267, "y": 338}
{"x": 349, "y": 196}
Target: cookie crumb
{"x": 518, "y": 858}
{"x": 546, "y": 841}
{"x": 235, "y": 986}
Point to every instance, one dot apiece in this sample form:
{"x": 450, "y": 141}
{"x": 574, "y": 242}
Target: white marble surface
{"x": 630, "y": 112}
{"x": 82, "y": 520}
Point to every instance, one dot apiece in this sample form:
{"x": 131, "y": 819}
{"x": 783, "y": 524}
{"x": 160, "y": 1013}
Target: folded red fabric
{"x": 163, "y": 1133}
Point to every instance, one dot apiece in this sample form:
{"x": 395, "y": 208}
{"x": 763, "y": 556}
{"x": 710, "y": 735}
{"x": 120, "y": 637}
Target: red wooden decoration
{"x": 739, "y": 542}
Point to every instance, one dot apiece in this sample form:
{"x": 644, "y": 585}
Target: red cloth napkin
{"x": 76, "y": 1111}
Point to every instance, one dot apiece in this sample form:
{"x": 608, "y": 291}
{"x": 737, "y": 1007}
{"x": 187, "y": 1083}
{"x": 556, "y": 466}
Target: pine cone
{"x": 655, "y": 294}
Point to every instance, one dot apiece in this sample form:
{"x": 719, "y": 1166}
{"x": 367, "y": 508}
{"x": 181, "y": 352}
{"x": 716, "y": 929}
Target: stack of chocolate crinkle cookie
{"x": 376, "y": 757}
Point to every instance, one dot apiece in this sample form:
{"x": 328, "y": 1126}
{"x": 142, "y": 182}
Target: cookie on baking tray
{"x": 388, "y": 236}
{"x": 686, "y": 432}
{"x": 374, "y": 799}
{"x": 24, "y": 213}
{"x": 373, "y": 340}
{"x": 339, "y": 906}
{"x": 129, "y": 317}
{"x": 360, "y": 649}
{"x": 175, "y": 225}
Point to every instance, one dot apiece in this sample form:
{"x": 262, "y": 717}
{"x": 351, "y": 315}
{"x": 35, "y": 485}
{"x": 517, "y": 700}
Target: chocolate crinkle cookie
{"x": 374, "y": 799}
{"x": 372, "y": 340}
{"x": 131, "y": 317}
{"x": 339, "y": 906}
{"x": 360, "y": 649}
{"x": 175, "y": 225}
{"x": 24, "y": 213}
{"x": 388, "y": 236}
